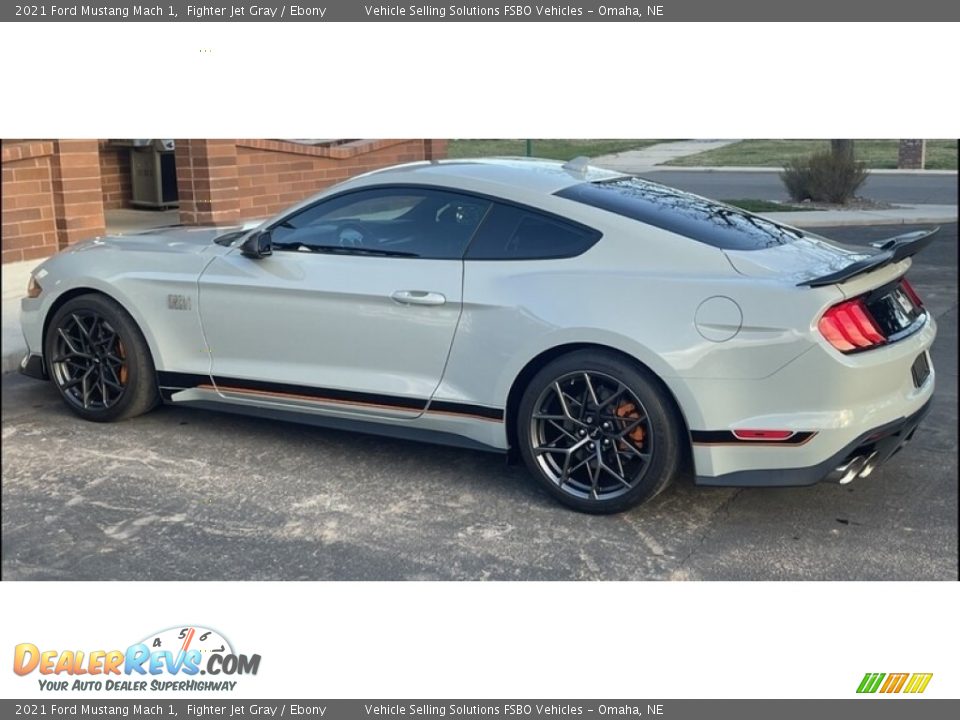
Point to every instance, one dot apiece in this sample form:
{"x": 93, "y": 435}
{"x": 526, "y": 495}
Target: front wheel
{"x": 99, "y": 360}
{"x": 600, "y": 433}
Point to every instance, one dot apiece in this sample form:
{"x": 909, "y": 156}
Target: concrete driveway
{"x": 192, "y": 495}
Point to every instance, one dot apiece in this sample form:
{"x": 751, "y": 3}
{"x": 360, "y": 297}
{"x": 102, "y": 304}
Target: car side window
{"x": 401, "y": 222}
{"x": 515, "y": 233}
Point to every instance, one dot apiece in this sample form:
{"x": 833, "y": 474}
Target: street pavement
{"x": 183, "y": 494}
{"x": 938, "y": 188}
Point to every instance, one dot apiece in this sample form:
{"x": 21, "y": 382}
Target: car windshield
{"x": 707, "y": 221}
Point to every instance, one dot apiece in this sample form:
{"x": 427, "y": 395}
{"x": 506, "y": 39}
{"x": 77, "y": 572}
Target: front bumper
{"x": 877, "y": 445}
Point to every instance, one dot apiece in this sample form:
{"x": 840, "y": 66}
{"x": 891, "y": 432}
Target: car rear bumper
{"x": 858, "y": 459}
{"x": 832, "y": 404}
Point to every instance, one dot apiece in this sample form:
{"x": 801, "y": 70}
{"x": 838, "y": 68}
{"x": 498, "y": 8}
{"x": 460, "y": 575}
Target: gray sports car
{"x": 608, "y": 330}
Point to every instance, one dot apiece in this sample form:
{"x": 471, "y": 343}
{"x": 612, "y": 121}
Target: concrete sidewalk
{"x": 123, "y": 221}
{"x": 649, "y": 158}
{"x": 656, "y": 157}
{"x": 15, "y": 278}
{"x": 900, "y": 215}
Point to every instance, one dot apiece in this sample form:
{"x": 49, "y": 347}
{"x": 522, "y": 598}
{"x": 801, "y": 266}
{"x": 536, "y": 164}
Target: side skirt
{"x": 368, "y": 427}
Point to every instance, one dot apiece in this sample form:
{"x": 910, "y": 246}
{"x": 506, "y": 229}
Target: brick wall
{"x": 55, "y": 191}
{"x": 207, "y": 181}
{"x": 29, "y": 218}
{"x": 51, "y": 196}
{"x": 912, "y": 154}
{"x": 77, "y": 193}
{"x": 234, "y": 180}
{"x": 115, "y": 176}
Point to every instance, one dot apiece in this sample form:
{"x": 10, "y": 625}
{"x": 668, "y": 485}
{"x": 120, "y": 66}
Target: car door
{"x": 354, "y": 312}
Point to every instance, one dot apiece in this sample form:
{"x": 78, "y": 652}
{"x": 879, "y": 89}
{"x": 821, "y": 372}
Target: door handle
{"x": 418, "y": 297}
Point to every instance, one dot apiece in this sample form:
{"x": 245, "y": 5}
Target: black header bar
{"x": 583, "y": 11}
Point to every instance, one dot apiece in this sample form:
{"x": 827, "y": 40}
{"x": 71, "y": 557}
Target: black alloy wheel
{"x": 591, "y": 435}
{"x": 99, "y": 360}
{"x": 89, "y": 361}
{"x": 600, "y": 432}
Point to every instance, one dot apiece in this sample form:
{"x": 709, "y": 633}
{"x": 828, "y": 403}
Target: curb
{"x": 869, "y": 223}
{"x": 762, "y": 169}
{"x": 804, "y": 219}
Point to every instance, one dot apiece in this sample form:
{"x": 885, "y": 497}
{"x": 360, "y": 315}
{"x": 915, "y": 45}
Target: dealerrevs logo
{"x": 909, "y": 683}
{"x": 172, "y": 659}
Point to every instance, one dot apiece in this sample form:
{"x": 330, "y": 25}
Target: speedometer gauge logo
{"x": 184, "y": 639}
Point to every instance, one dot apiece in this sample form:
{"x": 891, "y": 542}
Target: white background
{"x": 518, "y": 640}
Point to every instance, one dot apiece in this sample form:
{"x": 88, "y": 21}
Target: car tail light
{"x": 911, "y": 293}
{"x": 849, "y": 326}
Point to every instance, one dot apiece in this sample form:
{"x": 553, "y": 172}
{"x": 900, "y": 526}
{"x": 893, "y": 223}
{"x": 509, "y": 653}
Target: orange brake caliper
{"x": 628, "y": 411}
{"x": 123, "y": 368}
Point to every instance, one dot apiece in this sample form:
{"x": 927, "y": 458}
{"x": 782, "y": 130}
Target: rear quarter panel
{"x": 637, "y": 291}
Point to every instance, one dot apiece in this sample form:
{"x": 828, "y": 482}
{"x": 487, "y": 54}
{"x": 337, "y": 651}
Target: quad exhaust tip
{"x": 860, "y": 466}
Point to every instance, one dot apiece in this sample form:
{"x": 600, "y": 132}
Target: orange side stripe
{"x": 333, "y": 401}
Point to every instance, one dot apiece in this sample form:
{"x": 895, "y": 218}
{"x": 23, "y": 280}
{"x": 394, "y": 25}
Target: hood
{"x": 175, "y": 239}
{"x": 801, "y": 260}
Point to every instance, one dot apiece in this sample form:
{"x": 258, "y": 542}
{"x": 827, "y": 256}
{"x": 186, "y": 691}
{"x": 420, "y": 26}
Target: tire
{"x": 610, "y": 439}
{"x": 93, "y": 337}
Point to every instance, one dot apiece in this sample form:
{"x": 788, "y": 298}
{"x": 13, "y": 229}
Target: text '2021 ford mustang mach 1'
{"x": 609, "y": 330}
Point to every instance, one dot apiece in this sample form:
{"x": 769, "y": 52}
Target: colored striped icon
{"x": 918, "y": 682}
{"x": 894, "y": 682}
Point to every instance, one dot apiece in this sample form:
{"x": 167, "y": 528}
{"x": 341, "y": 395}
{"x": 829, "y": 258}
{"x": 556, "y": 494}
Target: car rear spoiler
{"x": 892, "y": 250}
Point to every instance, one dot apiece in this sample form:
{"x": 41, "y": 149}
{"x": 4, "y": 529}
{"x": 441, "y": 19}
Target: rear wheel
{"x": 99, "y": 360}
{"x": 600, "y": 433}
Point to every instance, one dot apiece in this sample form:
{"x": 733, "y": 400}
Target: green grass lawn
{"x": 551, "y": 149}
{"x": 877, "y": 154}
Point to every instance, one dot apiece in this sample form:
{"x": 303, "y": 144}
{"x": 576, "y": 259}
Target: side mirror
{"x": 257, "y": 245}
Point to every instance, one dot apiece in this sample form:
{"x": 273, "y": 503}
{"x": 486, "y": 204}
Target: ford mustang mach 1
{"x": 611, "y": 331}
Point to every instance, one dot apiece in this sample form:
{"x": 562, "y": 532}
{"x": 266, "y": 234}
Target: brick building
{"x": 55, "y": 192}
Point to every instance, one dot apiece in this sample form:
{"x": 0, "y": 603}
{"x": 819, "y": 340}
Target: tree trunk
{"x": 842, "y": 148}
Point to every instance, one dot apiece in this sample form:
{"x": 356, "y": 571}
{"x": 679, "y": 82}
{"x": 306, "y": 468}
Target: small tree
{"x": 832, "y": 177}
{"x": 842, "y": 149}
